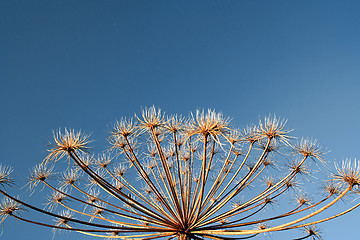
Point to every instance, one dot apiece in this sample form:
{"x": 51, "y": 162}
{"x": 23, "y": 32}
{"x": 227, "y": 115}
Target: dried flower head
{"x": 67, "y": 142}
{"x": 8, "y": 207}
{"x": 5, "y": 179}
{"x": 312, "y": 232}
{"x": 55, "y": 199}
{"x": 209, "y": 123}
{"x": 348, "y": 173}
{"x": 125, "y": 127}
{"x": 39, "y": 174}
{"x": 65, "y": 221}
{"x": 175, "y": 123}
{"x": 309, "y": 148}
{"x": 273, "y": 128}
{"x": 69, "y": 178}
{"x": 151, "y": 118}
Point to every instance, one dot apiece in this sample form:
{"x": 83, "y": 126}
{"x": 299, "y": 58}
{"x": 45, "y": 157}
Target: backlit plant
{"x": 166, "y": 177}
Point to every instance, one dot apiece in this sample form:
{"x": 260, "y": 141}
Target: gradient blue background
{"x": 84, "y": 64}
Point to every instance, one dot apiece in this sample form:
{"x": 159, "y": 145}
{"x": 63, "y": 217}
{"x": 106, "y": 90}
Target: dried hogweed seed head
{"x": 309, "y": 148}
{"x": 40, "y": 174}
{"x": 55, "y": 199}
{"x": 104, "y": 160}
{"x": 250, "y": 134}
{"x": 67, "y": 142}
{"x": 7, "y": 208}
{"x": 69, "y": 177}
{"x": 175, "y": 123}
{"x": 331, "y": 188}
{"x": 302, "y": 199}
{"x": 183, "y": 177}
{"x": 64, "y": 220}
{"x": 273, "y": 128}
{"x": 209, "y": 123}
{"x": 348, "y": 173}
{"x": 124, "y": 127}
{"x": 313, "y": 232}
{"x": 5, "y": 179}
{"x": 151, "y": 118}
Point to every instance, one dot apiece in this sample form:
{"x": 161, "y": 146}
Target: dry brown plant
{"x": 167, "y": 177}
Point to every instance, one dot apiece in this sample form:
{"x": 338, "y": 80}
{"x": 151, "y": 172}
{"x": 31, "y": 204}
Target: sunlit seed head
{"x": 69, "y": 177}
{"x": 93, "y": 196}
{"x": 250, "y": 134}
{"x": 269, "y": 201}
{"x": 292, "y": 184}
{"x": 152, "y": 150}
{"x": 151, "y": 118}
{"x": 237, "y": 151}
{"x": 268, "y": 162}
{"x": 263, "y": 145}
{"x": 118, "y": 143}
{"x": 5, "y": 178}
{"x": 99, "y": 210}
{"x": 120, "y": 170}
{"x": 209, "y": 123}
{"x": 273, "y": 128}
{"x": 147, "y": 190}
{"x": 104, "y": 160}
{"x": 125, "y": 127}
{"x": 298, "y": 168}
{"x": 330, "y": 188}
{"x": 233, "y": 136}
{"x": 313, "y": 231}
{"x": 236, "y": 204}
{"x": 250, "y": 166}
{"x": 64, "y": 222}
{"x": 262, "y": 226}
{"x": 8, "y": 207}
{"x": 309, "y": 148}
{"x": 303, "y": 199}
{"x": 87, "y": 161}
{"x": 40, "y": 173}
{"x": 175, "y": 123}
{"x": 269, "y": 181}
{"x": 55, "y": 199}
{"x": 348, "y": 173}
{"x": 67, "y": 142}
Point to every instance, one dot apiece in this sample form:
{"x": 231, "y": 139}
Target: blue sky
{"x": 85, "y": 64}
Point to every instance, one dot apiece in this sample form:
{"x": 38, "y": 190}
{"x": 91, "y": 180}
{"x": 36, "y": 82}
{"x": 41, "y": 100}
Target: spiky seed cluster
{"x": 40, "y": 174}
{"x": 303, "y": 199}
{"x": 175, "y": 123}
{"x": 5, "y": 179}
{"x": 151, "y": 118}
{"x": 309, "y": 148}
{"x": 64, "y": 222}
{"x": 8, "y": 207}
{"x": 209, "y": 123}
{"x": 69, "y": 177}
{"x": 55, "y": 199}
{"x": 313, "y": 232}
{"x": 183, "y": 179}
{"x": 251, "y": 134}
{"x": 67, "y": 142}
{"x": 124, "y": 127}
{"x": 348, "y": 173}
{"x": 274, "y": 128}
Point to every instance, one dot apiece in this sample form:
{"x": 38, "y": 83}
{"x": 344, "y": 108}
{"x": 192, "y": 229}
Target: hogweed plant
{"x": 170, "y": 177}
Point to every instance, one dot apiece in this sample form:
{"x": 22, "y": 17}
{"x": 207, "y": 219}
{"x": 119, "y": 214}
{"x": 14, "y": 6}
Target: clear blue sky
{"x": 84, "y": 64}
